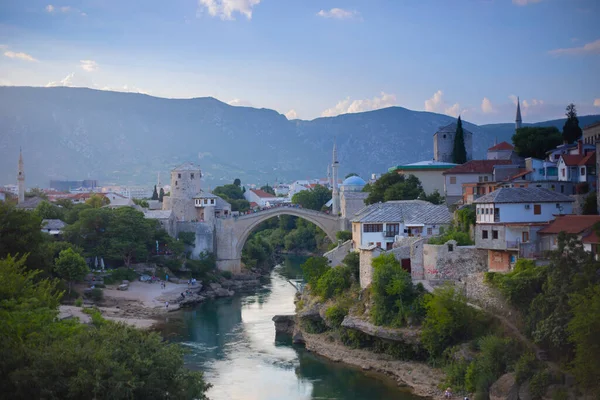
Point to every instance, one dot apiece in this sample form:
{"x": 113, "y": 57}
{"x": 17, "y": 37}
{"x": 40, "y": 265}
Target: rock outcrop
{"x": 406, "y": 335}
{"x": 505, "y": 388}
{"x": 284, "y": 324}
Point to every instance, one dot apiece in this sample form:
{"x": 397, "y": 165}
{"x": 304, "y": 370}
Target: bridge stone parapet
{"x": 231, "y": 233}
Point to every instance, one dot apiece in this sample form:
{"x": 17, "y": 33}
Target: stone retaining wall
{"x": 451, "y": 262}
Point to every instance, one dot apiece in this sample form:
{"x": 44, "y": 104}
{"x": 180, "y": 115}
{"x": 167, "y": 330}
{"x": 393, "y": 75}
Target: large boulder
{"x": 505, "y": 388}
{"x": 285, "y": 324}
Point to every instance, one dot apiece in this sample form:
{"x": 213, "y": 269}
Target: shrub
{"x": 313, "y": 269}
{"x": 449, "y": 320}
{"x": 343, "y": 236}
{"x": 355, "y": 339}
{"x": 521, "y": 285}
{"x": 96, "y": 294}
{"x": 335, "y": 314}
{"x": 455, "y": 374}
{"x": 205, "y": 265}
{"x": 311, "y": 326}
{"x": 396, "y": 300}
{"x": 539, "y": 384}
{"x": 79, "y": 302}
{"x": 352, "y": 261}
{"x": 120, "y": 274}
{"x": 525, "y": 367}
{"x": 333, "y": 282}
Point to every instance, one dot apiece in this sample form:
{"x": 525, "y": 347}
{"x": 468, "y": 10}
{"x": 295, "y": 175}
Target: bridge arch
{"x": 232, "y": 233}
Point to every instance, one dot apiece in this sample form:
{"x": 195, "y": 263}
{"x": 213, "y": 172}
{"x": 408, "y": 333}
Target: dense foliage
{"x": 313, "y": 199}
{"x": 459, "y": 152}
{"x": 393, "y": 186}
{"x": 313, "y": 269}
{"x": 233, "y": 194}
{"x": 454, "y": 232}
{"x": 41, "y": 357}
{"x": 534, "y": 141}
{"x": 396, "y": 301}
{"x": 333, "y": 282}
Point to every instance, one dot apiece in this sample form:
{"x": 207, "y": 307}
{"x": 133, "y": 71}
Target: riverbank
{"x": 419, "y": 377}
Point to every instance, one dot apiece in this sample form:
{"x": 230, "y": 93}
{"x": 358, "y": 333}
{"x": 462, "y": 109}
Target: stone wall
{"x": 579, "y": 202}
{"x": 414, "y": 247}
{"x": 451, "y": 262}
{"x": 486, "y": 297}
{"x": 336, "y": 255}
{"x": 366, "y": 269}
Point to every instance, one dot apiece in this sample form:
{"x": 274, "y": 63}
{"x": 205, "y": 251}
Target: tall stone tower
{"x": 21, "y": 179}
{"x": 518, "y": 120}
{"x": 185, "y": 184}
{"x": 335, "y": 206}
{"x": 443, "y": 143}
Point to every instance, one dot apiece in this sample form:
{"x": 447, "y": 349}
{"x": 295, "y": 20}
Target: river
{"x": 233, "y": 341}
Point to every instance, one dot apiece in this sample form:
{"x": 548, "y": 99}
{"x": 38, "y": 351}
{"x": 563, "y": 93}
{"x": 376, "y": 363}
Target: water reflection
{"x": 233, "y": 341}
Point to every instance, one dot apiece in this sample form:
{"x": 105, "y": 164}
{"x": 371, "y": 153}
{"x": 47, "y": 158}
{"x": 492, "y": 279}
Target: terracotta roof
{"x": 253, "y": 204}
{"x": 579, "y": 159}
{"x": 591, "y": 125}
{"x": 477, "y": 167}
{"x": 571, "y": 224}
{"x": 591, "y": 238}
{"x": 502, "y": 146}
{"x": 262, "y": 194}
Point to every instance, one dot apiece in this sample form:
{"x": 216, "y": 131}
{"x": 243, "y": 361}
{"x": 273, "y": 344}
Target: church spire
{"x": 21, "y": 179}
{"x": 518, "y": 119}
{"x": 335, "y": 206}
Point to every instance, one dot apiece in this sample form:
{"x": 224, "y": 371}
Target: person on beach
{"x": 448, "y": 393}
{"x": 182, "y": 296}
{"x": 166, "y": 305}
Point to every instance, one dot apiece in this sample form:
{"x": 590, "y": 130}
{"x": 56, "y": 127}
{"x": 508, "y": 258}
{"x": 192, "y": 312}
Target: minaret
{"x": 21, "y": 179}
{"x": 518, "y": 120}
{"x": 329, "y": 176}
{"x": 335, "y": 207}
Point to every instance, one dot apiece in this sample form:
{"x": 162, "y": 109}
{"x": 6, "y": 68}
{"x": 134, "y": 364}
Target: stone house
{"x": 166, "y": 219}
{"x": 53, "y": 227}
{"x": 382, "y": 223}
{"x": 262, "y": 198}
{"x": 449, "y": 261}
{"x": 472, "y": 171}
{"x": 510, "y": 217}
{"x": 591, "y": 133}
{"x": 580, "y": 225}
{"x": 443, "y": 143}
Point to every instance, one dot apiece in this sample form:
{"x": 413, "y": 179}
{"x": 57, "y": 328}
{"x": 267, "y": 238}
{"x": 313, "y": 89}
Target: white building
{"x": 380, "y": 224}
{"x": 262, "y": 198}
{"x": 430, "y": 173}
{"x": 510, "y": 217}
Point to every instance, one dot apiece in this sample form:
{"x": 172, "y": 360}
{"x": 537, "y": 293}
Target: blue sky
{"x": 308, "y": 58}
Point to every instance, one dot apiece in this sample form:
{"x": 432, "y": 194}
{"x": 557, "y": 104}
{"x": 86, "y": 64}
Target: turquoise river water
{"x": 233, "y": 341}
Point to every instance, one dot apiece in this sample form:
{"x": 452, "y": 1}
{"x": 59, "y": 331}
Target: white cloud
{"x": 437, "y": 104}
{"x": 486, "y": 106}
{"x": 225, "y": 9}
{"x": 597, "y": 102}
{"x": 20, "y": 56}
{"x": 292, "y": 114}
{"x": 347, "y": 106}
{"x": 88, "y": 65}
{"x": 63, "y": 9}
{"x": 339, "y": 13}
{"x": 588, "y": 48}
{"x": 525, "y": 2}
{"x": 66, "y": 81}
{"x": 74, "y": 80}
{"x": 240, "y": 103}
{"x": 50, "y": 8}
{"x": 528, "y": 107}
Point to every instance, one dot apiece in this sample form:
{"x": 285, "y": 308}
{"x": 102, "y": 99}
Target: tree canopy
{"x": 459, "y": 152}
{"x": 571, "y": 130}
{"x": 535, "y": 141}
{"x": 268, "y": 189}
{"x": 314, "y": 198}
{"x": 154, "y": 194}
{"x": 70, "y": 266}
{"x": 394, "y": 186}
{"x": 234, "y": 195}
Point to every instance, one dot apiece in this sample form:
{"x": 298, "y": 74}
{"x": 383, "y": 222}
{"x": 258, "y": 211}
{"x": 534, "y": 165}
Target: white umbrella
{"x": 102, "y": 263}
{"x": 96, "y": 263}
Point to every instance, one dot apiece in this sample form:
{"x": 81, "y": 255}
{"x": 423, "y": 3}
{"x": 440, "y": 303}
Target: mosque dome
{"x": 354, "y": 181}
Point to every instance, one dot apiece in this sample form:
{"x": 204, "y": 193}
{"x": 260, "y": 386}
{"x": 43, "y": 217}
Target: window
{"x": 212, "y": 201}
{"x": 179, "y": 176}
{"x": 429, "y": 231}
{"x": 392, "y": 230}
{"x": 582, "y": 172}
{"x": 373, "y": 228}
{"x": 175, "y": 183}
{"x": 379, "y": 244}
{"x": 388, "y": 245}
{"x": 444, "y": 136}
{"x": 450, "y": 247}
{"x": 525, "y": 237}
{"x": 552, "y": 187}
{"x": 484, "y": 234}
{"x": 481, "y": 179}
{"x": 452, "y": 180}
{"x": 562, "y": 171}
{"x": 494, "y": 234}
{"x": 562, "y": 188}
{"x": 485, "y": 178}
{"x": 537, "y": 209}
{"x": 191, "y": 176}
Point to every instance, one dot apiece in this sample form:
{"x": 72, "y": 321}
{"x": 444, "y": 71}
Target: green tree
{"x": 535, "y": 141}
{"x": 66, "y": 204}
{"x": 161, "y": 195}
{"x": 20, "y": 233}
{"x": 154, "y": 194}
{"x": 459, "y": 152}
{"x": 333, "y": 282}
{"x": 590, "y": 206}
{"x": 571, "y": 130}
{"x": 130, "y": 235}
{"x": 434, "y": 198}
{"x": 47, "y": 210}
{"x": 237, "y": 182}
{"x": 141, "y": 202}
{"x": 36, "y": 192}
{"x": 313, "y": 199}
{"x": 394, "y": 186}
{"x": 268, "y": 189}
{"x": 313, "y": 269}
{"x": 583, "y": 334}
{"x": 350, "y": 174}
{"x": 343, "y": 236}
{"x": 72, "y": 215}
{"x": 352, "y": 261}
{"x": 90, "y": 231}
{"x": 70, "y": 266}
{"x": 97, "y": 201}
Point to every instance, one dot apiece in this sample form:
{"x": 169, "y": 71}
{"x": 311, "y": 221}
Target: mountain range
{"x": 128, "y": 138}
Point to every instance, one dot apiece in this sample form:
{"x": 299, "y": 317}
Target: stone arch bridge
{"x": 231, "y": 233}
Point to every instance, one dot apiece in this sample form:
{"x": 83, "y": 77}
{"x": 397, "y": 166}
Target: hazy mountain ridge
{"x": 77, "y": 133}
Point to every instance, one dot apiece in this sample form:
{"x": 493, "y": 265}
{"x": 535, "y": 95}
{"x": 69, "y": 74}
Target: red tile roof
{"x": 519, "y": 175}
{"x": 579, "y": 159}
{"x": 571, "y": 224}
{"x": 262, "y": 194}
{"x": 502, "y": 146}
{"x": 476, "y": 167}
{"x": 253, "y": 204}
{"x": 591, "y": 238}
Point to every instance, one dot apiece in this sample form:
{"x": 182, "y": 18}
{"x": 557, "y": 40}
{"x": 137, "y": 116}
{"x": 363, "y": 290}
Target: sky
{"x": 309, "y": 59}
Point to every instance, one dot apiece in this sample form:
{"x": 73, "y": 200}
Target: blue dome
{"x": 354, "y": 181}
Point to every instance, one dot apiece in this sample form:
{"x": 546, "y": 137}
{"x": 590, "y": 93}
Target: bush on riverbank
{"x": 42, "y": 357}
{"x": 333, "y": 282}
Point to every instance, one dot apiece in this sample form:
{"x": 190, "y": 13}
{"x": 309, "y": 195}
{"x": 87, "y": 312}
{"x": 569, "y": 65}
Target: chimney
{"x": 580, "y": 146}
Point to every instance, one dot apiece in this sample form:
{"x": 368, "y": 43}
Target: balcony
{"x": 390, "y": 234}
{"x": 512, "y": 244}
